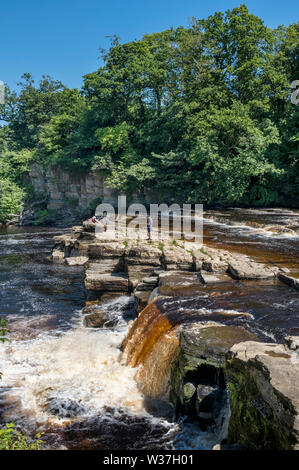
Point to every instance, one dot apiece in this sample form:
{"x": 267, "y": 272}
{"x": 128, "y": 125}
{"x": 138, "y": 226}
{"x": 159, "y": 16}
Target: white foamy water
{"x": 50, "y": 378}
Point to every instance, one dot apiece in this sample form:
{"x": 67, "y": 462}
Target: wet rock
{"x": 98, "y": 320}
{"x": 290, "y": 281}
{"x": 58, "y": 256}
{"x": 91, "y": 307}
{"x": 263, "y": 383}
{"x": 148, "y": 283}
{"x": 106, "y": 266}
{"x": 201, "y": 361}
{"x": 241, "y": 269}
{"x": 137, "y": 275}
{"x": 66, "y": 408}
{"x": 179, "y": 283}
{"x": 292, "y": 342}
{"x": 111, "y": 296}
{"x": 141, "y": 299}
{"x": 208, "y": 278}
{"x": 76, "y": 261}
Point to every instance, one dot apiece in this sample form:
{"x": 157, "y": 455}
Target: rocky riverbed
{"x": 211, "y": 361}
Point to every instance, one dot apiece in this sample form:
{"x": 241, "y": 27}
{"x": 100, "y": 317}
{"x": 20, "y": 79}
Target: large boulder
{"x": 263, "y": 383}
{"x": 198, "y": 377}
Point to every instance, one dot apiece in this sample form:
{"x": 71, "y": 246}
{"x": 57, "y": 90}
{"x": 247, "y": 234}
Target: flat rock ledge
{"x": 243, "y": 269}
{"x": 140, "y": 260}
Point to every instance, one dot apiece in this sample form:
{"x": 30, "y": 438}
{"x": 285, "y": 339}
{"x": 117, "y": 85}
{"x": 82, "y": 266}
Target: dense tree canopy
{"x": 198, "y": 114}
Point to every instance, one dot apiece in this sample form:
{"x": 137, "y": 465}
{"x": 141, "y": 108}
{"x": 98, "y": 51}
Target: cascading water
{"x": 66, "y": 380}
{"x": 73, "y": 382}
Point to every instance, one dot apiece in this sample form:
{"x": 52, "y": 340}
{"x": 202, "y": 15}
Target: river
{"x": 68, "y": 381}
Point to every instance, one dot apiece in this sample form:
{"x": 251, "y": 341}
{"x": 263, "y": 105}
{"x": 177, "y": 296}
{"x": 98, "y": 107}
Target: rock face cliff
{"x": 64, "y": 189}
{"x": 73, "y": 190}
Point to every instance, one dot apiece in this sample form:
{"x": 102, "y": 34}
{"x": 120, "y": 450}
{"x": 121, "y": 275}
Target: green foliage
{"x": 161, "y": 246}
{"x": 73, "y": 202}
{"x": 11, "y": 199}
{"x": 3, "y": 330}
{"x": 94, "y": 204}
{"x": 198, "y": 114}
{"x": 13, "y": 439}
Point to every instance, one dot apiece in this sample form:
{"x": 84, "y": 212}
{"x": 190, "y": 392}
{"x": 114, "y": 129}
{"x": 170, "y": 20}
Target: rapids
{"x": 66, "y": 380}
{"x": 74, "y": 384}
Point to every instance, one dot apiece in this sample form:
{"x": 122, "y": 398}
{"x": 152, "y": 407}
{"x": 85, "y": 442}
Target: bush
{"x": 12, "y": 439}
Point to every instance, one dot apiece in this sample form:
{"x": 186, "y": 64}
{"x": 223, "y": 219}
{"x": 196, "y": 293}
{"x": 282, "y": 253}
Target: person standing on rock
{"x": 149, "y": 224}
{"x": 104, "y": 221}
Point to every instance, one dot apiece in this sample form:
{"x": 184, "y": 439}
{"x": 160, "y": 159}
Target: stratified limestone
{"x": 214, "y": 278}
{"x": 138, "y": 273}
{"x": 101, "y": 283}
{"x": 106, "y": 266}
{"x": 177, "y": 258}
{"x": 141, "y": 297}
{"x": 263, "y": 383}
{"x": 99, "y": 250}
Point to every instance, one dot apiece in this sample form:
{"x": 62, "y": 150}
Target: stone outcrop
{"x": 289, "y": 280}
{"x": 241, "y": 269}
{"x": 263, "y": 383}
{"x": 185, "y": 351}
{"x": 101, "y": 283}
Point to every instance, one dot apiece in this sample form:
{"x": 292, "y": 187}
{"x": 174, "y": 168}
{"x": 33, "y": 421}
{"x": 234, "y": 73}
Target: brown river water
{"x": 70, "y": 382}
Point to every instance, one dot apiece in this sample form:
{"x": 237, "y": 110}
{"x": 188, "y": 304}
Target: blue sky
{"x": 61, "y": 38}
